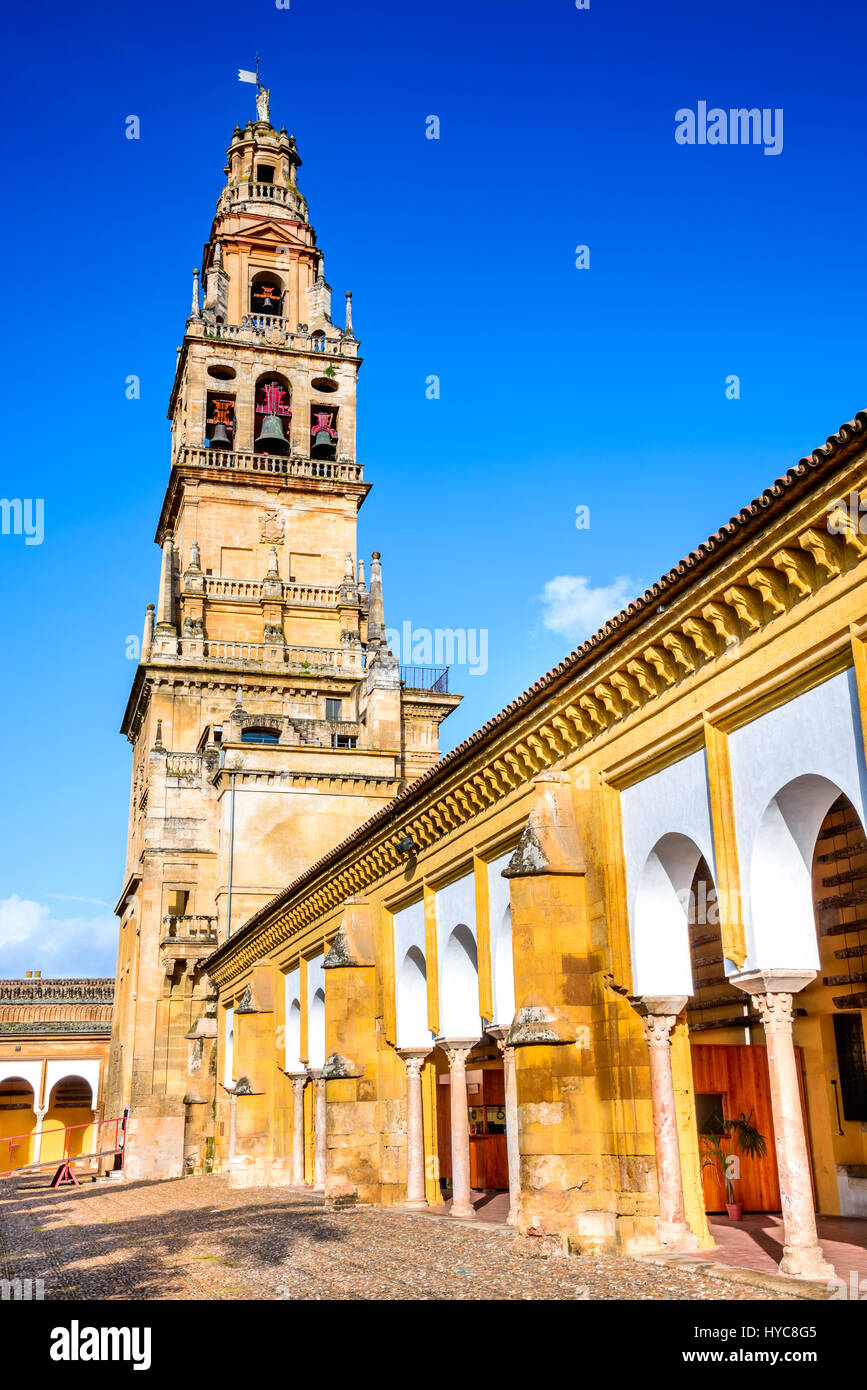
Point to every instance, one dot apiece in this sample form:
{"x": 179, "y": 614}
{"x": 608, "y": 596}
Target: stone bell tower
{"x": 267, "y": 716}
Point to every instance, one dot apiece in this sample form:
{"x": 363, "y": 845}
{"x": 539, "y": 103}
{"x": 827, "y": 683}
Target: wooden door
{"x": 739, "y": 1073}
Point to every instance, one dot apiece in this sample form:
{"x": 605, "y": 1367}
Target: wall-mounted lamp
{"x": 407, "y": 846}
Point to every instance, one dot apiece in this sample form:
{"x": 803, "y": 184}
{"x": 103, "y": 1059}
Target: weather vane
{"x": 263, "y": 94}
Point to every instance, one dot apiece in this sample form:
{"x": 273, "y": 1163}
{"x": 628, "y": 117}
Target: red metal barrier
{"x": 111, "y": 1144}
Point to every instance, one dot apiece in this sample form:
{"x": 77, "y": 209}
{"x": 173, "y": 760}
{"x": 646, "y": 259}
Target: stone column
{"x": 233, "y": 1124}
{"x": 320, "y": 1145}
{"x": 457, "y": 1051}
{"x": 510, "y": 1083}
{"x": 772, "y": 992}
{"x": 660, "y": 1016}
{"x": 299, "y": 1081}
{"x": 414, "y": 1059}
{"x": 40, "y": 1112}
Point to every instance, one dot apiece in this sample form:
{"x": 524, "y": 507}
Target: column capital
{"x": 499, "y": 1032}
{"x": 298, "y": 1079}
{"x": 457, "y": 1050}
{"x": 40, "y": 1111}
{"x": 659, "y": 1015}
{"x": 414, "y": 1059}
{"x": 775, "y": 981}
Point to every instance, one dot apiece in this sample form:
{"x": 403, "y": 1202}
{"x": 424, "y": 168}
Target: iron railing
{"x": 435, "y": 678}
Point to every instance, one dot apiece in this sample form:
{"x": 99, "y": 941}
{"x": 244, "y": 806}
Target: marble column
{"x": 513, "y": 1153}
{"x": 457, "y": 1051}
{"x": 40, "y": 1112}
{"x": 771, "y": 992}
{"x": 299, "y": 1081}
{"x": 660, "y": 1016}
{"x": 320, "y": 1148}
{"x": 414, "y": 1059}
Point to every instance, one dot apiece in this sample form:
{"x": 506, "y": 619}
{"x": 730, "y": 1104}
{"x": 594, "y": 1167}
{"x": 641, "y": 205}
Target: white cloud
{"x": 31, "y": 939}
{"x": 576, "y": 610}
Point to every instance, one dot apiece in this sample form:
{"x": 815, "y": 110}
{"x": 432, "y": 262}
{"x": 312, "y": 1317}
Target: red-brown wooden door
{"x": 739, "y": 1073}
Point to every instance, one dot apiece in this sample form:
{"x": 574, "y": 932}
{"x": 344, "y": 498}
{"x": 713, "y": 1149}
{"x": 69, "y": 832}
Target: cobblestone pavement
{"x": 194, "y": 1238}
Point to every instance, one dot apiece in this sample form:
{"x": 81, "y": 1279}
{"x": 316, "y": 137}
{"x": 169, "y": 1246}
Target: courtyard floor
{"x": 195, "y": 1238}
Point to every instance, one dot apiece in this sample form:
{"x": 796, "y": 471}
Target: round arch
{"x": 660, "y": 945}
{"x": 459, "y": 986}
{"x": 412, "y": 1025}
{"x": 316, "y": 1031}
{"x": 781, "y": 915}
{"x": 503, "y": 968}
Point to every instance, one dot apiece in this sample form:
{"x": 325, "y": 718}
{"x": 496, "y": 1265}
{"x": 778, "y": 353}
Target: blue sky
{"x": 559, "y": 387}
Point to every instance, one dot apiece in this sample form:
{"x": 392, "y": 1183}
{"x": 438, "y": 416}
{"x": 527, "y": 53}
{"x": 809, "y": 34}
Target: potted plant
{"x": 744, "y": 1139}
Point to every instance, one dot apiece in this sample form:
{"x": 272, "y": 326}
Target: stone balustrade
{"x": 276, "y": 332}
{"x": 250, "y": 590}
{"x": 190, "y": 927}
{"x": 340, "y": 470}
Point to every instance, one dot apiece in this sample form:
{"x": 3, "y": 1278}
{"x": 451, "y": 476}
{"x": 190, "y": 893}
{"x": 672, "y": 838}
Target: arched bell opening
{"x": 272, "y": 414}
{"x": 220, "y": 420}
{"x": 323, "y": 432}
{"x": 266, "y": 295}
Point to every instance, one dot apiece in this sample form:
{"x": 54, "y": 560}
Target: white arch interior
{"x": 788, "y": 768}
{"x": 412, "y": 1027}
{"x": 666, "y": 828}
{"x": 661, "y": 963}
{"x": 459, "y": 1012}
{"x": 502, "y": 960}
{"x": 411, "y": 968}
{"x": 316, "y": 1013}
{"x": 85, "y": 1067}
{"x": 458, "y": 959}
{"x": 31, "y": 1072}
{"x": 292, "y": 1060}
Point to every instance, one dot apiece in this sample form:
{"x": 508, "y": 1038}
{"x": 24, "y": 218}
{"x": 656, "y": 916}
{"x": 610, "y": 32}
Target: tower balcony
{"x": 274, "y": 194}
{"x": 290, "y": 466}
{"x": 350, "y": 662}
{"x": 251, "y": 590}
{"x": 269, "y": 330}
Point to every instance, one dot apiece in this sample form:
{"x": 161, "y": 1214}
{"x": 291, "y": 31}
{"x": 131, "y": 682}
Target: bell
{"x": 322, "y": 441}
{"x": 271, "y": 439}
{"x": 220, "y": 438}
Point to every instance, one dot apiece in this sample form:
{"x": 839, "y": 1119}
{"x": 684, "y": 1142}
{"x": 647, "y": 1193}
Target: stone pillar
{"x": 772, "y": 992}
{"x": 40, "y": 1112}
{"x": 414, "y": 1059}
{"x": 660, "y": 1016}
{"x": 299, "y": 1081}
{"x": 513, "y": 1152}
{"x": 457, "y": 1051}
{"x": 233, "y": 1125}
{"x": 320, "y": 1143}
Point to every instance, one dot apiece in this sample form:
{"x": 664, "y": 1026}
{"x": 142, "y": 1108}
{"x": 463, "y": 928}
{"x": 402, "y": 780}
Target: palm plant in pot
{"x": 734, "y": 1138}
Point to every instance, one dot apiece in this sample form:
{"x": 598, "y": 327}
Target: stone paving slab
{"x": 195, "y": 1238}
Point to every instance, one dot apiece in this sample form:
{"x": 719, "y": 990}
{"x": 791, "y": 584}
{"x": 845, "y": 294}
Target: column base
{"x": 468, "y": 1212}
{"x": 417, "y": 1204}
{"x": 676, "y": 1236}
{"x": 806, "y": 1262}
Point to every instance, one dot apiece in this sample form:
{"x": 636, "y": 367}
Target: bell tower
{"x": 267, "y": 716}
